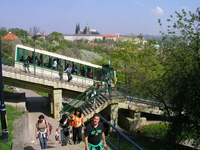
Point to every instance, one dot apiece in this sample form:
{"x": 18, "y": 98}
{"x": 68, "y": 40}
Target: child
{"x": 57, "y": 135}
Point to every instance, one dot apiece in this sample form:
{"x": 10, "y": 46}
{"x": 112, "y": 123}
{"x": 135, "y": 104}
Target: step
{"x": 54, "y": 146}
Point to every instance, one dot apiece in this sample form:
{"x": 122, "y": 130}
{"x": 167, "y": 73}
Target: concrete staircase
{"x": 55, "y": 145}
{"x": 93, "y": 104}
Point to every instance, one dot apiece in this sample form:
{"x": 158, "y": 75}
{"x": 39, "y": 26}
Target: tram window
{"x": 82, "y": 70}
{"x": 90, "y": 73}
{"x": 74, "y": 68}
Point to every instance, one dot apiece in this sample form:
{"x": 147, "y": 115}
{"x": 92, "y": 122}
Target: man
{"x": 26, "y": 64}
{"x": 94, "y": 134}
{"x": 69, "y": 70}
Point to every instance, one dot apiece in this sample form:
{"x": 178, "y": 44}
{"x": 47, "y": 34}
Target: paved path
{"x": 37, "y": 105}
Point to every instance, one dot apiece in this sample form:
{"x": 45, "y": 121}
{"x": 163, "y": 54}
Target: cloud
{"x": 157, "y": 11}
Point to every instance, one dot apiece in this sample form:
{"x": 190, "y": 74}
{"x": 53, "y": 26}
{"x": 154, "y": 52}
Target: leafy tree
{"x": 3, "y": 31}
{"x": 18, "y": 32}
{"x": 55, "y": 36}
{"x": 180, "y": 86}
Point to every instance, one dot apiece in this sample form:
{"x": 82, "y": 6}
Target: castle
{"x": 86, "y": 30}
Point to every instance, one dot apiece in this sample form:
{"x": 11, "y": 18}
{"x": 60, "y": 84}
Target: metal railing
{"x": 68, "y": 108}
{"x": 119, "y": 136}
{"x": 48, "y": 72}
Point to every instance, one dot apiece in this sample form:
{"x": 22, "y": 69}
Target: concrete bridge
{"x": 56, "y": 89}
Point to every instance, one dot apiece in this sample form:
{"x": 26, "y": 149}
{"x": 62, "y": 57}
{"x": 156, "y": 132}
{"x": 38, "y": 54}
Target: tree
{"x": 181, "y": 80}
{"x": 18, "y": 32}
{"x": 3, "y": 31}
{"x": 137, "y": 68}
{"x": 55, "y": 36}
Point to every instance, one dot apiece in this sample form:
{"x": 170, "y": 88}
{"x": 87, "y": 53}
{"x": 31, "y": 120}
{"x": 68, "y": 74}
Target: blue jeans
{"x": 43, "y": 141}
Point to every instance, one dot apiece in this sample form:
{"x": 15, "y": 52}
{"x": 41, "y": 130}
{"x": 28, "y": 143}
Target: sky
{"x": 106, "y": 16}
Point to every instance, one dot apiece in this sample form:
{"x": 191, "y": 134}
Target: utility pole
{"x": 2, "y": 106}
{"x": 34, "y": 38}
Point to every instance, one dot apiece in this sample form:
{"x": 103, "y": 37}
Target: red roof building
{"x": 109, "y": 36}
{"x": 10, "y": 36}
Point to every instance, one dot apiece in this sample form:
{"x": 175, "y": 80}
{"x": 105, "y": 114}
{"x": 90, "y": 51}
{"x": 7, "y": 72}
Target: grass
{"x": 11, "y": 114}
{"x": 42, "y": 94}
{"x": 125, "y": 145}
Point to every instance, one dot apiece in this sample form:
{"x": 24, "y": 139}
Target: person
{"x": 83, "y": 71}
{"x": 61, "y": 72}
{"x": 64, "y": 129}
{"x": 55, "y": 64}
{"x": 94, "y": 134}
{"x": 74, "y": 69}
{"x": 90, "y": 73}
{"x": 94, "y": 98}
{"x": 42, "y": 131}
{"x": 69, "y": 70}
{"x": 57, "y": 134}
{"x": 105, "y": 77}
{"x": 109, "y": 87}
{"x": 77, "y": 124}
{"x": 26, "y": 64}
{"x": 115, "y": 83}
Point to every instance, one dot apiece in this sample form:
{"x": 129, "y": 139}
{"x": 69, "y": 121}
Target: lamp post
{"x": 34, "y": 38}
{"x": 2, "y": 106}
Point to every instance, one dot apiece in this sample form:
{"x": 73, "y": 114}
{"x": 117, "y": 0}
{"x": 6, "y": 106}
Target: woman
{"x": 42, "y": 131}
{"x": 64, "y": 129}
{"x": 90, "y": 73}
{"x": 77, "y": 124}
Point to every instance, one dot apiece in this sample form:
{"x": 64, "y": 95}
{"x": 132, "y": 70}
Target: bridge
{"x": 48, "y": 81}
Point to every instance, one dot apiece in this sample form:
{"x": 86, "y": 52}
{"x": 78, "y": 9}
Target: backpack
{"x": 50, "y": 128}
{"x": 66, "y": 131}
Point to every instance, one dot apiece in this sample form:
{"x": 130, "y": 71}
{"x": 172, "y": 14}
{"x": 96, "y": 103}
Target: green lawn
{"x": 125, "y": 145}
{"x": 11, "y": 114}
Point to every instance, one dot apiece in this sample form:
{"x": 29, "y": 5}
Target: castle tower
{"x": 77, "y": 30}
{"x": 87, "y": 30}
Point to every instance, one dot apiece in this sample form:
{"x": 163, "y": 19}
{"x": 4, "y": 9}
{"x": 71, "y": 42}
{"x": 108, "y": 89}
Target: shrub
{"x": 155, "y": 130}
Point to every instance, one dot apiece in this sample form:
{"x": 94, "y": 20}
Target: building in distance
{"x": 86, "y": 30}
{"x": 10, "y": 36}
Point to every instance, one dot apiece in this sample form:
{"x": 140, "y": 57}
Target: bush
{"x": 157, "y": 131}
{"x": 11, "y": 114}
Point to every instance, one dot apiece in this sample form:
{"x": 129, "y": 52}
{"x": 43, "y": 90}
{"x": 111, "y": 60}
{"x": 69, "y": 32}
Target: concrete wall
{"x": 79, "y": 37}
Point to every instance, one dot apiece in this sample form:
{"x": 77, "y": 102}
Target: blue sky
{"x": 107, "y": 16}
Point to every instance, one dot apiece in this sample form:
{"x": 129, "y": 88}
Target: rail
{"x": 119, "y": 134}
{"x": 71, "y": 104}
{"x": 47, "y": 72}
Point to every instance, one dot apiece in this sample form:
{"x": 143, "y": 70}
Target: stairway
{"x": 90, "y": 103}
{"x": 55, "y": 145}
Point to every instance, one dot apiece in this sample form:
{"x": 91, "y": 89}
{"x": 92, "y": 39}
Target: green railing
{"x": 81, "y": 98}
{"x": 40, "y": 70}
{"x": 128, "y": 93}
{"x": 6, "y": 61}
{"x": 74, "y": 102}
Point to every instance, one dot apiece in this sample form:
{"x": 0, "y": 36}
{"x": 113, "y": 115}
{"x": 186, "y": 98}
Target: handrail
{"x": 68, "y": 110}
{"x": 126, "y": 92}
{"x": 93, "y": 97}
{"x": 121, "y": 134}
{"x": 86, "y": 102}
{"x": 77, "y": 98}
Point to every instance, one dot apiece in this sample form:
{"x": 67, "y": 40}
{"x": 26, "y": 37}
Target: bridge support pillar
{"x": 57, "y": 102}
{"x": 114, "y": 114}
{"x": 135, "y": 123}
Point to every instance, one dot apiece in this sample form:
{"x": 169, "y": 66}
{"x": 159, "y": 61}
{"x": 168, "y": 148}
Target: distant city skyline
{"x": 106, "y": 16}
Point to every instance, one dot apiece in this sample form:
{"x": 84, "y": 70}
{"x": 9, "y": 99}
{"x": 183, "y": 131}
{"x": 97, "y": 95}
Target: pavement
{"x": 35, "y": 105}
